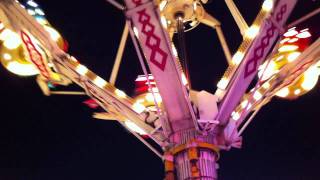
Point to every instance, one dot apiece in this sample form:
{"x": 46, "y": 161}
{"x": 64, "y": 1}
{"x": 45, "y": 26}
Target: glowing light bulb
{"x": 136, "y": 32}
{"x": 235, "y": 116}
{"x": 99, "y": 82}
{"x": 7, "y": 56}
{"x": 304, "y": 34}
{"x": 41, "y": 20}
{"x": 81, "y": 69}
{"x": 293, "y": 56}
{"x": 257, "y": 96}
{"x": 53, "y": 33}
{"x": 223, "y": 83}
{"x": 267, "y": 5}
{"x": 268, "y": 71}
{"x": 31, "y": 12}
{"x": 291, "y": 32}
{"x": 284, "y": 92}
{"x": 310, "y": 78}
{"x": 137, "y": 107}
{"x": 195, "y": 6}
{"x": 72, "y": 58}
{"x": 284, "y": 40}
{"x": 184, "y": 79}
{"x": 1, "y": 26}
{"x": 11, "y": 39}
{"x": 280, "y": 57}
{"x": 297, "y": 91}
{"x": 32, "y": 3}
{"x": 293, "y": 40}
{"x": 244, "y": 103}
{"x": 39, "y": 11}
{"x": 252, "y": 32}
{"x": 22, "y": 69}
{"x": 140, "y": 101}
{"x": 164, "y": 22}
{"x": 287, "y": 48}
{"x": 249, "y": 106}
{"x": 133, "y": 127}
{"x": 174, "y": 50}
{"x": 266, "y": 85}
{"x": 237, "y": 58}
{"x": 149, "y": 97}
{"x": 120, "y": 93}
{"x": 155, "y": 89}
{"x": 162, "y": 5}
{"x": 157, "y": 97}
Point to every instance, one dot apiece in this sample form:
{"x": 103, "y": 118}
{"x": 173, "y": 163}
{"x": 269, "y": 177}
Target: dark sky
{"x": 55, "y": 138}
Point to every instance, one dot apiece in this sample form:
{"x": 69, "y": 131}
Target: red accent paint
{"x": 141, "y": 86}
{"x": 137, "y": 2}
{"x": 35, "y": 55}
{"x": 158, "y": 56}
{"x": 65, "y": 46}
{"x": 91, "y": 103}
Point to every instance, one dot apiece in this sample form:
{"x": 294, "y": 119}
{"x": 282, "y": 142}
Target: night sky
{"x": 55, "y": 138}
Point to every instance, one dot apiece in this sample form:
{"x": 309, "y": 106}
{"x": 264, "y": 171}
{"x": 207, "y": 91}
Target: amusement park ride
{"x": 191, "y": 127}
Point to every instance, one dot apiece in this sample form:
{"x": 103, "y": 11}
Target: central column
{"x": 194, "y": 156}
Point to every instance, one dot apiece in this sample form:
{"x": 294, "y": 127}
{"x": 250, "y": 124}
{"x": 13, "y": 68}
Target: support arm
{"x": 208, "y": 20}
{"x": 118, "y": 59}
{"x": 243, "y": 26}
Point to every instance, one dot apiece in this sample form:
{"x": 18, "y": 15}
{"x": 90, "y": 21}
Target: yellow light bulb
{"x": 267, "y": 5}
{"x": 223, "y": 83}
{"x": 235, "y": 116}
{"x": 252, "y": 32}
{"x": 164, "y": 22}
{"x": 237, "y": 58}
{"x": 162, "y": 5}
{"x": 297, "y": 91}
{"x": 22, "y": 69}
{"x": 244, "y": 103}
{"x": 11, "y": 39}
{"x": 304, "y": 34}
{"x": 81, "y": 69}
{"x": 136, "y": 32}
{"x": 120, "y": 93}
{"x": 133, "y": 127}
{"x": 99, "y": 82}
{"x": 284, "y": 92}
{"x": 53, "y": 33}
{"x": 293, "y": 56}
{"x": 7, "y": 56}
{"x": 184, "y": 79}
{"x": 137, "y": 107}
{"x": 310, "y": 78}
{"x": 257, "y": 96}
{"x": 287, "y": 48}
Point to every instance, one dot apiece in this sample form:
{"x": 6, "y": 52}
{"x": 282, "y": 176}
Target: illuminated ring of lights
{"x": 14, "y": 55}
{"x": 293, "y": 43}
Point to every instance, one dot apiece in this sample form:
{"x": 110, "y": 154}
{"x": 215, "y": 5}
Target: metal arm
{"x": 304, "y": 18}
{"x": 208, "y": 20}
{"x": 116, "y": 4}
{"x": 118, "y": 59}
{"x": 243, "y": 26}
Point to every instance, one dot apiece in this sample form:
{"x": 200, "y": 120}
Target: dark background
{"x": 55, "y": 138}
